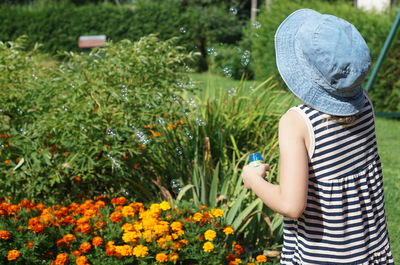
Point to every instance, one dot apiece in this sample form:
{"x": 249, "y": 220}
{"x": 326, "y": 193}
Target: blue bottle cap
{"x": 255, "y": 157}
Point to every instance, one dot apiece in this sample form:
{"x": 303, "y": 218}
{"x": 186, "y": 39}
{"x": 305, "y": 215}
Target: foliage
{"x": 373, "y": 27}
{"x": 116, "y": 231}
{"x": 80, "y": 127}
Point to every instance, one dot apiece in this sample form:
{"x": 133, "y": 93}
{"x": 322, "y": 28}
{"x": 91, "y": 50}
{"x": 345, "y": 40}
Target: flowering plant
{"x": 115, "y": 231}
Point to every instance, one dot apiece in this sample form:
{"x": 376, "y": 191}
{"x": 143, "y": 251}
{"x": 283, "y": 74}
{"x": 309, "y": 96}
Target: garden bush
{"x": 373, "y": 27}
{"x": 115, "y": 231}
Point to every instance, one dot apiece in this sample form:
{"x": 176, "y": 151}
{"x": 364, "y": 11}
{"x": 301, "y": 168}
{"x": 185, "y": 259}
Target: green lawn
{"x": 388, "y": 135}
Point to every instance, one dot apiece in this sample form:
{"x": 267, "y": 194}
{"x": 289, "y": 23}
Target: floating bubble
{"x": 64, "y": 108}
{"x": 111, "y": 132}
{"x": 183, "y": 30}
{"x": 191, "y": 102}
{"x": 176, "y": 186}
{"x": 191, "y": 84}
{"x": 256, "y": 24}
{"x": 161, "y": 121}
{"x": 200, "y": 122}
{"x": 180, "y": 84}
{"x": 114, "y": 161}
{"x": 245, "y": 59}
{"x": 252, "y": 88}
{"x": 179, "y": 150}
{"x": 124, "y": 92}
{"x": 186, "y": 111}
{"x": 232, "y": 91}
{"x": 35, "y": 77}
{"x": 22, "y": 131}
{"x": 149, "y": 106}
{"x": 175, "y": 98}
{"x": 189, "y": 135}
{"x": 227, "y": 71}
{"x": 211, "y": 51}
{"x": 20, "y": 111}
{"x": 233, "y": 10}
{"x": 141, "y": 136}
{"x": 83, "y": 129}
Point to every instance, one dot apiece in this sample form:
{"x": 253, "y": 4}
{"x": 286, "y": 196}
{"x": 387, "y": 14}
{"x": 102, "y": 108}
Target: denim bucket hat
{"x": 323, "y": 60}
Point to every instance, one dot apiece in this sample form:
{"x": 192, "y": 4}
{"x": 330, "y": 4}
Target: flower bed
{"x": 115, "y": 231}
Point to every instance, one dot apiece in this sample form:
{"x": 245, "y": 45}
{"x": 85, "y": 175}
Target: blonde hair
{"x": 345, "y": 120}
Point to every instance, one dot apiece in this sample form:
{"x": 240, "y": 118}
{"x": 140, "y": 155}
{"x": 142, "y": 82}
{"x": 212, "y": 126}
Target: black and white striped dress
{"x": 344, "y": 220}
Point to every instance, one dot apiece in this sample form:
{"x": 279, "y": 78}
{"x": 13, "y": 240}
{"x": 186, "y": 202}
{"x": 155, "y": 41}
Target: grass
{"x": 388, "y": 138}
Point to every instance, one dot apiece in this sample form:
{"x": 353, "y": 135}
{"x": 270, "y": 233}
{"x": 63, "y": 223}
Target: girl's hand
{"x": 251, "y": 173}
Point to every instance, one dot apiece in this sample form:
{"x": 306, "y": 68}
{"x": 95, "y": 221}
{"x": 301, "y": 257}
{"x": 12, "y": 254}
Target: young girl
{"x": 330, "y": 190}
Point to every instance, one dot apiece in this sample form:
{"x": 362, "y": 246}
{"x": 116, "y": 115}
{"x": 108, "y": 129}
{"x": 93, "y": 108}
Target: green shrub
{"x": 84, "y": 119}
{"x": 373, "y": 27}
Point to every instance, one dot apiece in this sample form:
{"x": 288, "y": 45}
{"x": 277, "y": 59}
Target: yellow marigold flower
{"x": 197, "y": 217}
{"x": 161, "y": 257}
{"x": 173, "y": 257}
{"x": 176, "y": 226}
{"x": 164, "y": 205}
{"x": 148, "y": 236}
{"x": 128, "y": 211}
{"x": 235, "y": 261}
{"x": 155, "y": 208}
{"x": 261, "y": 258}
{"x": 250, "y": 263}
{"x": 217, "y": 213}
{"x": 210, "y": 235}
{"x": 228, "y": 230}
{"x": 208, "y": 246}
{"x": 13, "y": 254}
{"x": 124, "y": 250}
{"x": 128, "y": 227}
{"x": 130, "y": 236}
{"x": 140, "y": 251}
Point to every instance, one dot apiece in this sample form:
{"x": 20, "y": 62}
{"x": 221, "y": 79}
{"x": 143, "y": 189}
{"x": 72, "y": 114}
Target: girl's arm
{"x": 290, "y": 196}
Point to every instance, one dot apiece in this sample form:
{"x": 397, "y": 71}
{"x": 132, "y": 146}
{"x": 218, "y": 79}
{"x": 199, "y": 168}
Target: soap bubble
{"x": 200, "y": 122}
{"x": 141, "y": 136}
{"x": 111, "y": 132}
{"x": 232, "y": 91}
{"x": 114, "y": 161}
{"x": 180, "y": 84}
{"x": 176, "y": 186}
{"x": 189, "y": 135}
{"x": 179, "y": 150}
{"x": 227, "y": 71}
{"x": 124, "y": 92}
{"x": 211, "y": 51}
{"x": 83, "y": 129}
{"x": 65, "y": 108}
{"x": 256, "y": 24}
{"x": 34, "y": 77}
{"x": 160, "y": 121}
{"x": 20, "y": 111}
{"x": 191, "y": 102}
{"x": 233, "y": 10}
{"x": 245, "y": 59}
{"x": 183, "y": 30}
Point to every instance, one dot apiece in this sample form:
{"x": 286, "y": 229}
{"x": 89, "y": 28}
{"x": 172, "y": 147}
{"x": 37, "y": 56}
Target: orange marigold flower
{"x": 7, "y": 162}
{"x": 13, "y": 254}
{"x": 110, "y": 248}
{"x": 30, "y": 244}
{"x": 128, "y": 211}
{"x": 261, "y": 258}
{"x": 231, "y": 256}
{"x": 82, "y": 260}
{"x": 250, "y": 263}
{"x": 77, "y": 179}
{"x": 61, "y": 259}
{"x": 5, "y": 235}
{"x": 85, "y": 247}
{"x": 210, "y": 235}
{"x": 140, "y": 251}
{"x": 97, "y": 241}
{"x": 235, "y": 262}
{"x": 197, "y": 217}
{"x": 68, "y": 238}
{"x": 99, "y": 225}
{"x": 118, "y": 201}
{"x": 208, "y": 246}
{"x": 176, "y": 226}
{"x": 76, "y": 253}
{"x": 116, "y": 217}
{"x": 238, "y": 249}
{"x": 162, "y": 257}
{"x": 228, "y": 230}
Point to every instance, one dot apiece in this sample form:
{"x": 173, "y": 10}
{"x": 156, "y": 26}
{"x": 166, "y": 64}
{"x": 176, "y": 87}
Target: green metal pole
{"x": 383, "y": 52}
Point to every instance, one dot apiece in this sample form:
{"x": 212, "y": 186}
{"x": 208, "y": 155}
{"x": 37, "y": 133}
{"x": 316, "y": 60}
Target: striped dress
{"x": 344, "y": 219}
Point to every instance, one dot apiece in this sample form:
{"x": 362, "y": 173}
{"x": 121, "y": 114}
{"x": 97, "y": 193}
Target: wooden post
{"x": 253, "y": 12}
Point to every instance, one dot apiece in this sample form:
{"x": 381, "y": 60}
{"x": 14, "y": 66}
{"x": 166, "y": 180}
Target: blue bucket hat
{"x": 323, "y": 60}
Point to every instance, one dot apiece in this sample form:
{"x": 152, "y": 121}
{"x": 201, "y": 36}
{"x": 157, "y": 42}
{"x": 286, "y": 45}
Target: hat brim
{"x": 298, "y": 76}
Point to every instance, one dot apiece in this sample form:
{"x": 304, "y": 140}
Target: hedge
{"x": 373, "y": 27}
